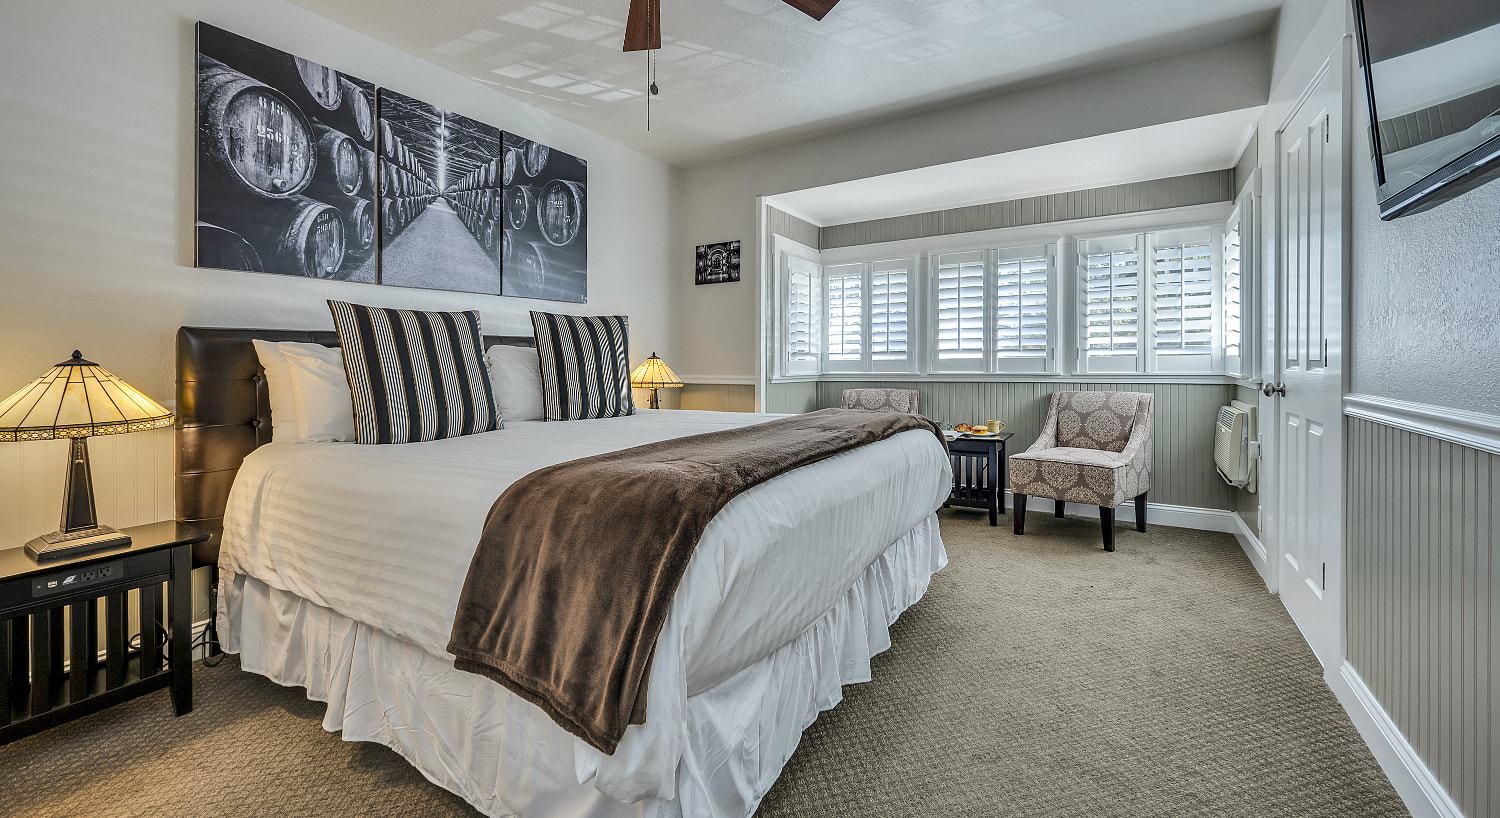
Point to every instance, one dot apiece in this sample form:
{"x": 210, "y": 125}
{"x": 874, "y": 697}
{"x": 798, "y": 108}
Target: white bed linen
{"x": 383, "y": 535}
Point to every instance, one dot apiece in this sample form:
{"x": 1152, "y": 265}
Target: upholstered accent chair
{"x": 1095, "y": 448}
{"x": 882, "y": 400}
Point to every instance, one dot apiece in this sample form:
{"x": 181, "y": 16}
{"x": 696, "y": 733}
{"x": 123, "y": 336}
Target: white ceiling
{"x": 737, "y": 75}
{"x": 1160, "y": 151}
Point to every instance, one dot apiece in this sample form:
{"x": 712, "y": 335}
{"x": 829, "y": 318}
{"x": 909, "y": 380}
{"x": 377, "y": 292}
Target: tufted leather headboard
{"x": 224, "y": 414}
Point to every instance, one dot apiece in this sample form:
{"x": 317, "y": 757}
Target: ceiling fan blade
{"x": 816, "y": 9}
{"x": 643, "y": 26}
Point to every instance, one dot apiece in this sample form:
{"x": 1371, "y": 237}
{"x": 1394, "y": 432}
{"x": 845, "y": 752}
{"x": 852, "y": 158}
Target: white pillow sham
{"x": 325, "y": 406}
{"x": 309, "y": 392}
{"x": 516, "y": 377}
{"x": 279, "y": 388}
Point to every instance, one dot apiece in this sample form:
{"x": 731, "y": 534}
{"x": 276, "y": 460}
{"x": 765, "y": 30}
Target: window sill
{"x": 939, "y": 377}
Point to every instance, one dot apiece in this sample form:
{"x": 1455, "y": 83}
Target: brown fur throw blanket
{"x": 579, "y": 562}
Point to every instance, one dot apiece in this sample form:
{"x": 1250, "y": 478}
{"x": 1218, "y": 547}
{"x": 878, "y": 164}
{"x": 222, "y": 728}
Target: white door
{"x": 1308, "y": 383}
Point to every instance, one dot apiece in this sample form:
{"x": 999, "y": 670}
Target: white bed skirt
{"x": 500, "y": 753}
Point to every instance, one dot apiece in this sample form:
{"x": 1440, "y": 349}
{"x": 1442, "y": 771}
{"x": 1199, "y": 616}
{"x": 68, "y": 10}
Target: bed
{"x": 340, "y": 566}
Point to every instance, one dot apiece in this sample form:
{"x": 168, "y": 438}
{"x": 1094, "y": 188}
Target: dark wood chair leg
{"x": 1140, "y": 512}
{"x": 1107, "y": 519}
{"x": 1020, "y": 513}
{"x": 1060, "y": 509}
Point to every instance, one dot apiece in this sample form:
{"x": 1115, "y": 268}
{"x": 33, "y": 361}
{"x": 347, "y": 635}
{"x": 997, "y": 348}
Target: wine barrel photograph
{"x": 286, "y": 151}
{"x": 544, "y": 248}
{"x": 439, "y": 177}
{"x": 304, "y": 170}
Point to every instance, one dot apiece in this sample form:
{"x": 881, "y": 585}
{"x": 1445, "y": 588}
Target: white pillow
{"x": 279, "y": 386}
{"x": 516, "y": 377}
{"x": 325, "y": 406}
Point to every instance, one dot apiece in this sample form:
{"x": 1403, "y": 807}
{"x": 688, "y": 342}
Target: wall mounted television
{"x": 1432, "y": 77}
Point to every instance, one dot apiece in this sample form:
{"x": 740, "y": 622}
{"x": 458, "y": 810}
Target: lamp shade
{"x": 78, "y": 398}
{"x": 653, "y": 373}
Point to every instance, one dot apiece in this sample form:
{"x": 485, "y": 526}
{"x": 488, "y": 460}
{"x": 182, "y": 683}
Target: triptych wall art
{"x": 307, "y": 171}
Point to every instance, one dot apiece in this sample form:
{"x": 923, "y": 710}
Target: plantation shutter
{"x": 1112, "y": 303}
{"x": 1233, "y": 300}
{"x": 890, "y": 315}
{"x": 1022, "y": 312}
{"x": 845, "y": 310}
{"x": 1184, "y": 321}
{"x": 959, "y": 307}
{"x": 801, "y": 316}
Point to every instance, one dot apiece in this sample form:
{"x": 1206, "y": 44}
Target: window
{"x": 959, "y": 310}
{"x": 845, "y": 311}
{"x": 1143, "y": 301}
{"x": 1234, "y": 300}
{"x": 1239, "y": 284}
{"x": 890, "y": 312}
{"x": 801, "y": 315}
{"x": 1176, "y": 327}
{"x": 1022, "y": 319}
{"x": 993, "y": 310}
{"x": 1111, "y": 299}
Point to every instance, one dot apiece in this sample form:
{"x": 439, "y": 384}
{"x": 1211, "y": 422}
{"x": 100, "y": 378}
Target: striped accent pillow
{"x": 585, "y": 368}
{"x": 414, "y": 375}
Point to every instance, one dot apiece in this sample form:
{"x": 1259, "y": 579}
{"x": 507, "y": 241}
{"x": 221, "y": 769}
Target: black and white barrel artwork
{"x": 307, "y": 171}
{"x": 544, "y": 209}
{"x": 285, "y": 163}
{"x": 440, "y": 197}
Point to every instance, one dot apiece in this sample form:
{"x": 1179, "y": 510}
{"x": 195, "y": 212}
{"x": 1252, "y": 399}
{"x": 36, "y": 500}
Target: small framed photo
{"x": 718, "y": 263}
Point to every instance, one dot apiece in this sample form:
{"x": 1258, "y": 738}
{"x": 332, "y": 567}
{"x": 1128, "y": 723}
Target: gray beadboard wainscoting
{"x": 1247, "y": 503}
{"x": 1423, "y": 598}
{"x": 1114, "y": 200}
{"x": 792, "y": 397}
{"x": 1183, "y": 444}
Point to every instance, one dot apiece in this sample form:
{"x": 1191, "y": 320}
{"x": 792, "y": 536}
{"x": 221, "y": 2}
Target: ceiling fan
{"x": 643, "y": 26}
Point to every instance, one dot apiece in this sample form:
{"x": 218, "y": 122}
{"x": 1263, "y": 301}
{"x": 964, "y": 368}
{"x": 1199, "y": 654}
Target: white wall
{"x": 716, "y": 324}
{"x": 96, "y": 209}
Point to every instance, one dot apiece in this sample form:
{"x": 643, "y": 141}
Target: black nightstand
{"x": 44, "y": 605}
{"x": 979, "y": 473}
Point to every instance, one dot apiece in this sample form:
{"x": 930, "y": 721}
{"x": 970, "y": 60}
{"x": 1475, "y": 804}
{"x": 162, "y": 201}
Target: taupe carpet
{"x": 1039, "y": 677}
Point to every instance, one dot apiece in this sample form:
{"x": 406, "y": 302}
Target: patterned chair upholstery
{"x": 1095, "y": 448}
{"x": 882, "y": 400}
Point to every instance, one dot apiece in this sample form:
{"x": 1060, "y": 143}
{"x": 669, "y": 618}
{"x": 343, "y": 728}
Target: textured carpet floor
{"x": 1039, "y": 677}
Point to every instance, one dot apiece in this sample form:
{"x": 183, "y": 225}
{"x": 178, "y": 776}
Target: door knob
{"x": 1274, "y": 390}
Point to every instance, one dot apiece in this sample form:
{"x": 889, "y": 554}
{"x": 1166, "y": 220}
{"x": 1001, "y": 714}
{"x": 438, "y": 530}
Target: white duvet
{"x": 383, "y": 535}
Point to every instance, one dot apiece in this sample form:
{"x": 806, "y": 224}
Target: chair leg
{"x": 1140, "y": 512}
{"x": 1019, "y": 526}
{"x": 1107, "y": 519}
{"x": 1059, "y": 509}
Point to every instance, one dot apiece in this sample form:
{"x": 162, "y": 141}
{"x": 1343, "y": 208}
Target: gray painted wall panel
{"x": 1180, "y": 191}
{"x": 792, "y": 398}
{"x": 1245, "y": 502}
{"x": 1423, "y": 598}
{"x": 1183, "y": 465}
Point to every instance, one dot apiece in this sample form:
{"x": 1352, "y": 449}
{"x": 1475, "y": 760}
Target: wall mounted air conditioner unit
{"x": 1233, "y": 452}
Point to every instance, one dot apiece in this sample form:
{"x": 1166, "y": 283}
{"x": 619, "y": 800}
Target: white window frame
{"x": 1146, "y": 361}
{"x": 787, "y": 249}
{"x": 1067, "y": 330}
{"x": 989, "y": 361}
{"x": 1246, "y": 216}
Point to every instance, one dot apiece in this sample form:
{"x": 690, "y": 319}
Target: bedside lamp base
{"x": 59, "y": 544}
{"x": 80, "y": 530}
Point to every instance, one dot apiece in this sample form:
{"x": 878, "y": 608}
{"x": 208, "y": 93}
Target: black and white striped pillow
{"x": 414, "y": 375}
{"x": 585, "y": 368}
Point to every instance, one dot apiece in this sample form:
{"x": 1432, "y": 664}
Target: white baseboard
{"x": 1255, "y": 551}
{"x": 1202, "y": 519}
{"x": 1419, "y": 789}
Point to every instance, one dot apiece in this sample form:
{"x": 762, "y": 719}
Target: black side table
{"x": 980, "y": 473}
{"x": 44, "y": 604}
